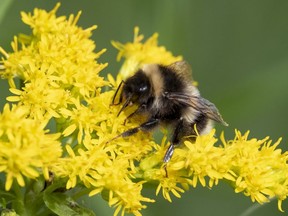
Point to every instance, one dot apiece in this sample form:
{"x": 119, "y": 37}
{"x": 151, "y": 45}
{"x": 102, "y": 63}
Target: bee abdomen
{"x": 203, "y": 124}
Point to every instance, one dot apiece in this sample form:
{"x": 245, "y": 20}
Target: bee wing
{"x": 182, "y": 68}
{"x": 198, "y": 103}
{"x": 210, "y": 110}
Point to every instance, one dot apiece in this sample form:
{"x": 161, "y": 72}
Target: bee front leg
{"x": 146, "y": 126}
{"x": 140, "y": 109}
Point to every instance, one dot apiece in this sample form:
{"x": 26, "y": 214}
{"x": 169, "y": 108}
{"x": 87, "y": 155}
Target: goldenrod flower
{"x": 254, "y": 167}
{"x": 137, "y": 54}
{"x": 25, "y": 147}
{"x": 56, "y": 63}
{"x": 61, "y": 81}
{"x": 259, "y": 169}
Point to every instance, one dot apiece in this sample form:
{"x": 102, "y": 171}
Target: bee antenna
{"x": 125, "y": 105}
{"x": 116, "y": 93}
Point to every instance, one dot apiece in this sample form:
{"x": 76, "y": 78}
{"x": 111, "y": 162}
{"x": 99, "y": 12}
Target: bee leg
{"x": 146, "y": 126}
{"x": 169, "y": 153}
{"x": 176, "y": 138}
{"x": 140, "y": 109}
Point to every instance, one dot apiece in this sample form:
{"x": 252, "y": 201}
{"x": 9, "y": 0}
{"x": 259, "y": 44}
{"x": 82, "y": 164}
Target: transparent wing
{"x": 211, "y": 111}
{"x": 198, "y": 103}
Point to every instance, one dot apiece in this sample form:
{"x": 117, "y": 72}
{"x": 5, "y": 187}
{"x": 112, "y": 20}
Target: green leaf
{"x": 63, "y": 205}
{"x": 8, "y": 196}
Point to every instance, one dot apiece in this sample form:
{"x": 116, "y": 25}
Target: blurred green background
{"x": 239, "y": 55}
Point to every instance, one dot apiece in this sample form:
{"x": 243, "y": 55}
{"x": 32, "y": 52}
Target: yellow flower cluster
{"x": 137, "y": 54}
{"x": 254, "y": 167}
{"x": 61, "y": 84}
{"x": 56, "y": 63}
{"x": 60, "y": 79}
{"x": 25, "y": 146}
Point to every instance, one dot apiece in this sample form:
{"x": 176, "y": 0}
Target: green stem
{"x": 18, "y": 203}
{"x": 81, "y": 193}
{"x": 251, "y": 210}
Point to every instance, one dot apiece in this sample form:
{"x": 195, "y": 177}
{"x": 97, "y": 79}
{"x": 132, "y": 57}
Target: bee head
{"x": 136, "y": 90}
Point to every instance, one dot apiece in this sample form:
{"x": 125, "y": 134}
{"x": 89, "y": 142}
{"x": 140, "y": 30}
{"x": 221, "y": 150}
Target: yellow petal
{"x": 69, "y": 130}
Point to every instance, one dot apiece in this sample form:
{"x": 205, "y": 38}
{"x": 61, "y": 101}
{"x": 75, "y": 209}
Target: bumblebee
{"x": 167, "y": 97}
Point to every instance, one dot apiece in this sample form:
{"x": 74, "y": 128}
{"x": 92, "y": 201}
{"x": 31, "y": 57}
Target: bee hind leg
{"x": 182, "y": 129}
{"x": 179, "y": 131}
